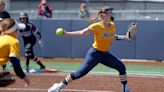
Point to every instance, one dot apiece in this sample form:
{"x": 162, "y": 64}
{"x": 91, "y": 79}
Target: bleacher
{"x": 69, "y": 9}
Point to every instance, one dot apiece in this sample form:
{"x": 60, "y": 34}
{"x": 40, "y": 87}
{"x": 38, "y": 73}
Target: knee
{"x": 77, "y": 75}
{"x": 122, "y": 69}
{"x": 29, "y": 54}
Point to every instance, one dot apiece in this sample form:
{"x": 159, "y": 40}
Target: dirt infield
{"x": 89, "y": 83}
{"x": 93, "y": 82}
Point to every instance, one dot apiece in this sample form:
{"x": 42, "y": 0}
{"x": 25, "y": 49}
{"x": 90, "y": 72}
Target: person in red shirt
{"x": 44, "y": 10}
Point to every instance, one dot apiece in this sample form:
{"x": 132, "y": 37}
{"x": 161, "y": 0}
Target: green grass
{"x": 131, "y": 68}
{"x": 153, "y": 70}
{"x": 145, "y": 68}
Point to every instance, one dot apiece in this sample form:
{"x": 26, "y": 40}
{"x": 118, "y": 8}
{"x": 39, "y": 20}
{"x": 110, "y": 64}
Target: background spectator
{"x": 3, "y": 14}
{"x": 44, "y": 9}
{"x": 84, "y": 10}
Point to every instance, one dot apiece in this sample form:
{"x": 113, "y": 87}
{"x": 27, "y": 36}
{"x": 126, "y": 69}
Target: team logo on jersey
{"x": 106, "y": 35}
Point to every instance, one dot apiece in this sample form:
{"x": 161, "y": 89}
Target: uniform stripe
{"x": 68, "y": 78}
{"x": 123, "y": 77}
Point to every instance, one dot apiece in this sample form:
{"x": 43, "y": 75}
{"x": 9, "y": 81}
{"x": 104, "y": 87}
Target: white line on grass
{"x": 37, "y": 89}
{"x": 133, "y": 74}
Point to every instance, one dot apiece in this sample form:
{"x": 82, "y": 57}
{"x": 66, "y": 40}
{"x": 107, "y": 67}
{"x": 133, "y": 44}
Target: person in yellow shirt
{"x": 104, "y": 33}
{"x": 9, "y": 46}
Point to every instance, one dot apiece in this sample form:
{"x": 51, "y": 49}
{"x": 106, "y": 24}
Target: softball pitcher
{"x": 9, "y": 47}
{"x": 29, "y": 40}
{"x": 104, "y": 33}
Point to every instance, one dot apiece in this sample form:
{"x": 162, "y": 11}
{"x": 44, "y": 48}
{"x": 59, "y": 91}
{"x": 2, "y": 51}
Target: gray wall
{"x": 149, "y": 43}
{"x": 92, "y": 4}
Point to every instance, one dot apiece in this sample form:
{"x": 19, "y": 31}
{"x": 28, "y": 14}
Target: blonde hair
{"x": 6, "y": 24}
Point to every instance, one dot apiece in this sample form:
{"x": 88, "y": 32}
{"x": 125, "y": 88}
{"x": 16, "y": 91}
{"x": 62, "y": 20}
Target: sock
{"x": 67, "y": 79}
{"x": 39, "y": 63}
{"x": 61, "y": 85}
{"x": 123, "y": 79}
{"x": 4, "y": 67}
{"x": 27, "y": 62}
{"x": 124, "y": 83}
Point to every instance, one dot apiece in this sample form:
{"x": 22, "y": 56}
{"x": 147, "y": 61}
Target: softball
{"x": 59, "y": 31}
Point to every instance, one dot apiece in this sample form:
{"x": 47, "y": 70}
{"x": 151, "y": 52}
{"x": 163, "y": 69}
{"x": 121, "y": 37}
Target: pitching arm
{"x": 83, "y": 32}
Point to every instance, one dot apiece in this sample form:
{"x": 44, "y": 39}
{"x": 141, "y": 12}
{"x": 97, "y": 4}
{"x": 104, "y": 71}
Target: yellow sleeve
{"x": 14, "y": 49}
{"x": 93, "y": 27}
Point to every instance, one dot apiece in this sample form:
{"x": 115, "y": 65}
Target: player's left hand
{"x": 41, "y": 42}
{"x": 132, "y": 30}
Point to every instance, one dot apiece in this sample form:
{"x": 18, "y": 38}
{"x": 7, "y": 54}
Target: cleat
{"x": 27, "y": 70}
{"x": 125, "y": 88}
{"x": 54, "y": 88}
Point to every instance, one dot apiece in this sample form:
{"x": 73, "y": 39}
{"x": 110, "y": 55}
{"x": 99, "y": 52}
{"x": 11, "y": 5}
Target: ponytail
{"x": 103, "y": 10}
